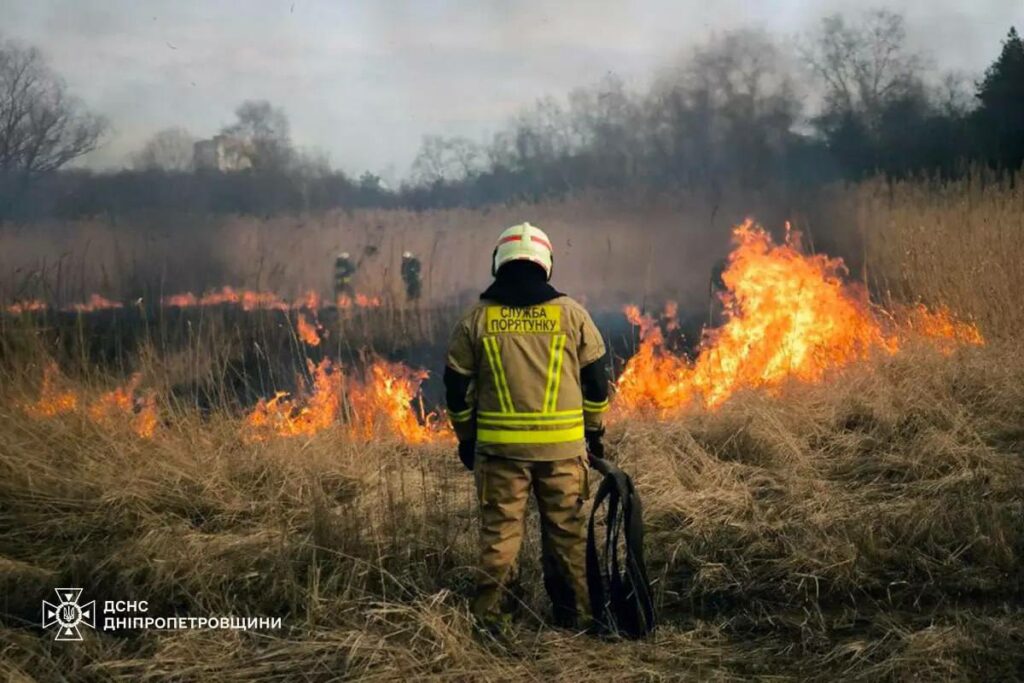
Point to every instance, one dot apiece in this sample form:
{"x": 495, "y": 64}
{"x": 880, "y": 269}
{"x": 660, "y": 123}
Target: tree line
{"x": 743, "y": 110}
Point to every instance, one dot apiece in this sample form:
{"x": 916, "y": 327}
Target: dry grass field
{"x": 643, "y": 247}
{"x": 869, "y": 529}
{"x": 956, "y": 243}
{"x": 865, "y": 526}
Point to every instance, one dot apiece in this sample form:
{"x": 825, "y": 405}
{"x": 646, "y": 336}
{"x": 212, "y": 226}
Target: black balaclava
{"x": 520, "y": 283}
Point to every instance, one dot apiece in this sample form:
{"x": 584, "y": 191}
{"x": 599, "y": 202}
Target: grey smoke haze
{"x": 365, "y": 81}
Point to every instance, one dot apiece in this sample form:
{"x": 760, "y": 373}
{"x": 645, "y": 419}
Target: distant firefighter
{"x": 411, "y": 276}
{"x": 344, "y": 271}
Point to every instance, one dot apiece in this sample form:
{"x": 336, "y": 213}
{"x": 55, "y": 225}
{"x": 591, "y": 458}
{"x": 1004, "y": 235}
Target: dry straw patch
{"x": 868, "y": 528}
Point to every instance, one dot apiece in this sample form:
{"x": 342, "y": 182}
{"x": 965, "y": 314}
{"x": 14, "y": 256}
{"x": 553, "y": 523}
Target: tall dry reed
{"x": 954, "y": 243}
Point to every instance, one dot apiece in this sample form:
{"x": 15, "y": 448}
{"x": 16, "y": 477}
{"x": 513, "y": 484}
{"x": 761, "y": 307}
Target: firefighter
{"x": 526, "y": 388}
{"x": 411, "y": 276}
{"x": 344, "y": 271}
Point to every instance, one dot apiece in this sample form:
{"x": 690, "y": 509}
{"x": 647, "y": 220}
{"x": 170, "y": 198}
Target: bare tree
{"x": 42, "y": 127}
{"x": 446, "y": 159}
{"x": 543, "y": 133}
{"x": 168, "y": 150}
{"x": 263, "y": 130}
{"x": 863, "y": 66}
{"x": 725, "y": 112}
{"x": 953, "y": 94}
{"x": 605, "y": 120}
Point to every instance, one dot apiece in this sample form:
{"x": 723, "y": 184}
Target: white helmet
{"x": 523, "y": 242}
{"x": 406, "y": 254}
{"x": 343, "y": 254}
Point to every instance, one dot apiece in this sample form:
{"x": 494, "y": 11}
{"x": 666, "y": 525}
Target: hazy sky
{"x": 366, "y": 80}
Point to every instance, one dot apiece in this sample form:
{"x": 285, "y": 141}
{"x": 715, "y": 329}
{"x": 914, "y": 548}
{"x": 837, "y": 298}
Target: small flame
{"x": 247, "y": 299}
{"x": 386, "y": 402}
{"x": 114, "y": 404}
{"x": 185, "y": 300}
{"x": 30, "y": 306}
{"x": 53, "y": 400}
{"x": 942, "y": 326}
{"x": 95, "y": 303}
{"x": 282, "y": 416}
{"x": 121, "y": 406}
{"x": 109, "y": 410}
{"x": 308, "y": 331}
{"x": 363, "y": 301}
{"x": 310, "y": 301}
{"x": 144, "y": 422}
{"x": 344, "y": 301}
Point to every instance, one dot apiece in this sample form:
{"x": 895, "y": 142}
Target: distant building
{"x": 221, "y": 153}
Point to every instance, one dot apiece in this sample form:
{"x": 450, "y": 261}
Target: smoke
{"x": 366, "y": 82}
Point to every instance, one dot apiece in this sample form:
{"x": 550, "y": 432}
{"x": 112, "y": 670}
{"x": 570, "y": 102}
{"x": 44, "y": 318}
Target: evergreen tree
{"x": 1000, "y": 116}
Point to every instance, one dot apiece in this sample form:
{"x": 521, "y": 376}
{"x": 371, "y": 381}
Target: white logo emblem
{"x": 67, "y": 614}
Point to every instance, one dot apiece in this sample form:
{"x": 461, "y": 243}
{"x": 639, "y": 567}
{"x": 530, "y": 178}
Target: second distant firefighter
{"x": 411, "y": 276}
{"x": 344, "y": 271}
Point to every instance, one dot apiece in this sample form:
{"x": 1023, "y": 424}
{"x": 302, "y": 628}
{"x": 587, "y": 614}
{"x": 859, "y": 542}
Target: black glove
{"x": 467, "y": 453}
{"x": 595, "y": 447}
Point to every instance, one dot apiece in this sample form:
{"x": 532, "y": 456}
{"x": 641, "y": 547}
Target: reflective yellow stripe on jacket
{"x": 500, "y": 382}
{"x": 552, "y": 427}
{"x": 524, "y": 363}
{"x": 554, "y": 372}
{"x": 548, "y": 426}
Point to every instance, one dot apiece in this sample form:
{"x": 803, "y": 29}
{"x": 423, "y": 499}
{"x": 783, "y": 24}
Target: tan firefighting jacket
{"x": 525, "y": 399}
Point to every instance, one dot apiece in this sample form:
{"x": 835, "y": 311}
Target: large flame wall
{"x": 786, "y": 315}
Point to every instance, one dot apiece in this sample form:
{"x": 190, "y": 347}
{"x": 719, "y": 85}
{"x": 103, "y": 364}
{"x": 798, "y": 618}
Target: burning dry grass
{"x": 866, "y": 525}
{"x": 386, "y": 399}
{"x": 787, "y": 315}
{"x": 866, "y": 528}
{"x": 121, "y": 406}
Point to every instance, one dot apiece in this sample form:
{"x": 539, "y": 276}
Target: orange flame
{"x": 344, "y": 301}
{"x": 282, "y": 416}
{"x": 114, "y": 404}
{"x": 118, "y": 406}
{"x": 95, "y": 303}
{"x": 380, "y": 404}
{"x": 942, "y": 327}
{"x": 184, "y": 300}
{"x": 249, "y": 300}
{"x": 310, "y": 301}
{"x": 363, "y": 301}
{"x": 30, "y": 306}
{"x": 308, "y": 331}
{"x": 385, "y": 401}
{"x": 52, "y": 400}
{"x": 108, "y": 410}
{"x": 144, "y": 422}
{"x": 788, "y": 315}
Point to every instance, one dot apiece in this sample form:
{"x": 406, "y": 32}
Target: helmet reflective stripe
{"x": 520, "y": 238}
{"x": 523, "y": 242}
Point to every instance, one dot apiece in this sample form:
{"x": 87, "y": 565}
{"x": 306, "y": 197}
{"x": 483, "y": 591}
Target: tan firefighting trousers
{"x": 503, "y": 489}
